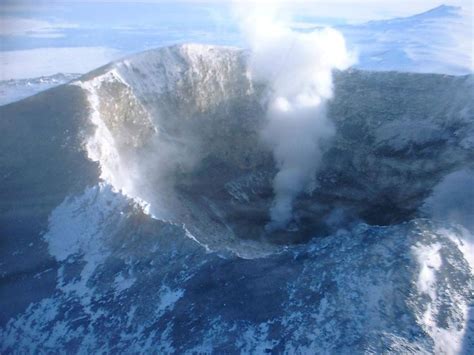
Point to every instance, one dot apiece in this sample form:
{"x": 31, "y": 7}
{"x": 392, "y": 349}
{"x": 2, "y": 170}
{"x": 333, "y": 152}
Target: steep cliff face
{"x": 134, "y": 201}
{"x": 397, "y": 136}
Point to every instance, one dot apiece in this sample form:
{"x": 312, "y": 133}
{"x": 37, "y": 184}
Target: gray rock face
{"x": 133, "y": 205}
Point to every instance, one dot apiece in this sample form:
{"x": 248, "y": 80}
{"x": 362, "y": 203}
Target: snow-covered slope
{"x": 438, "y": 41}
{"x": 136, "y": 213}
{"x": 140, "y": 285}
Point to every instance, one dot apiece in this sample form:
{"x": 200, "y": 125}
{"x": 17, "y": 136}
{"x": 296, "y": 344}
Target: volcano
{"x": 134, "y": 200}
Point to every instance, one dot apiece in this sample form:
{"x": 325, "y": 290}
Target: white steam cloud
{"x": 452, "y": 199}
{"x": 297, "y": 67}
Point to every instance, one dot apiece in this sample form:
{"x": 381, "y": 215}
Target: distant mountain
{"x": 15, "y": 90}
{"x": 437, "y": 41}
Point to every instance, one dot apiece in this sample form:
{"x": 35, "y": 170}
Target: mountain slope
{"x": 437, "y": 41}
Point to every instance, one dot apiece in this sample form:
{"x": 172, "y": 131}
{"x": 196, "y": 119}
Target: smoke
{"x": 297, "y": 68}
{"x": 452, "y": 199}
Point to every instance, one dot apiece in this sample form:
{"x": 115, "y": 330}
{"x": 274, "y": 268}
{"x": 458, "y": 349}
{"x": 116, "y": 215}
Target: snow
{"x": 464, "y": 241}
{"x": 255, "y": 340}
{"x": 102, "y": 146}
{"x": 78, "y": 231}
{"x": 342, "y": 293}
{"x": 77, "y": 225}
{"x": 164, "y": 68}
{"x": 123, "y": 283}
{"x": 437, "y": 41}
{"x": 430, "y": 262}
{"x": 448, "y": 338}
{"x": 167, "y": 300}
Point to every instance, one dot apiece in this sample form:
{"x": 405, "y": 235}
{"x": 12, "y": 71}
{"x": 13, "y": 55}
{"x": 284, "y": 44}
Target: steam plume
{"x": 297, "y": 68}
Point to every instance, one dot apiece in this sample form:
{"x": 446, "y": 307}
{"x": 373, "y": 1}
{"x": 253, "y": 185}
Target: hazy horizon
{"x": 45, "y": 37}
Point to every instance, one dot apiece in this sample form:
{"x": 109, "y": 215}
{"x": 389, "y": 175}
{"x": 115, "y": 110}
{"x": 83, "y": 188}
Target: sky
{"x": 351, "y": 10}
{"x": 77, "y": 35}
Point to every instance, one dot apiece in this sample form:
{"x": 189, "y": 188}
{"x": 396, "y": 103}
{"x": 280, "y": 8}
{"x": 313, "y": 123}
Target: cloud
{"x": 15, "y": 26}
{"x": 452, "y": 199}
